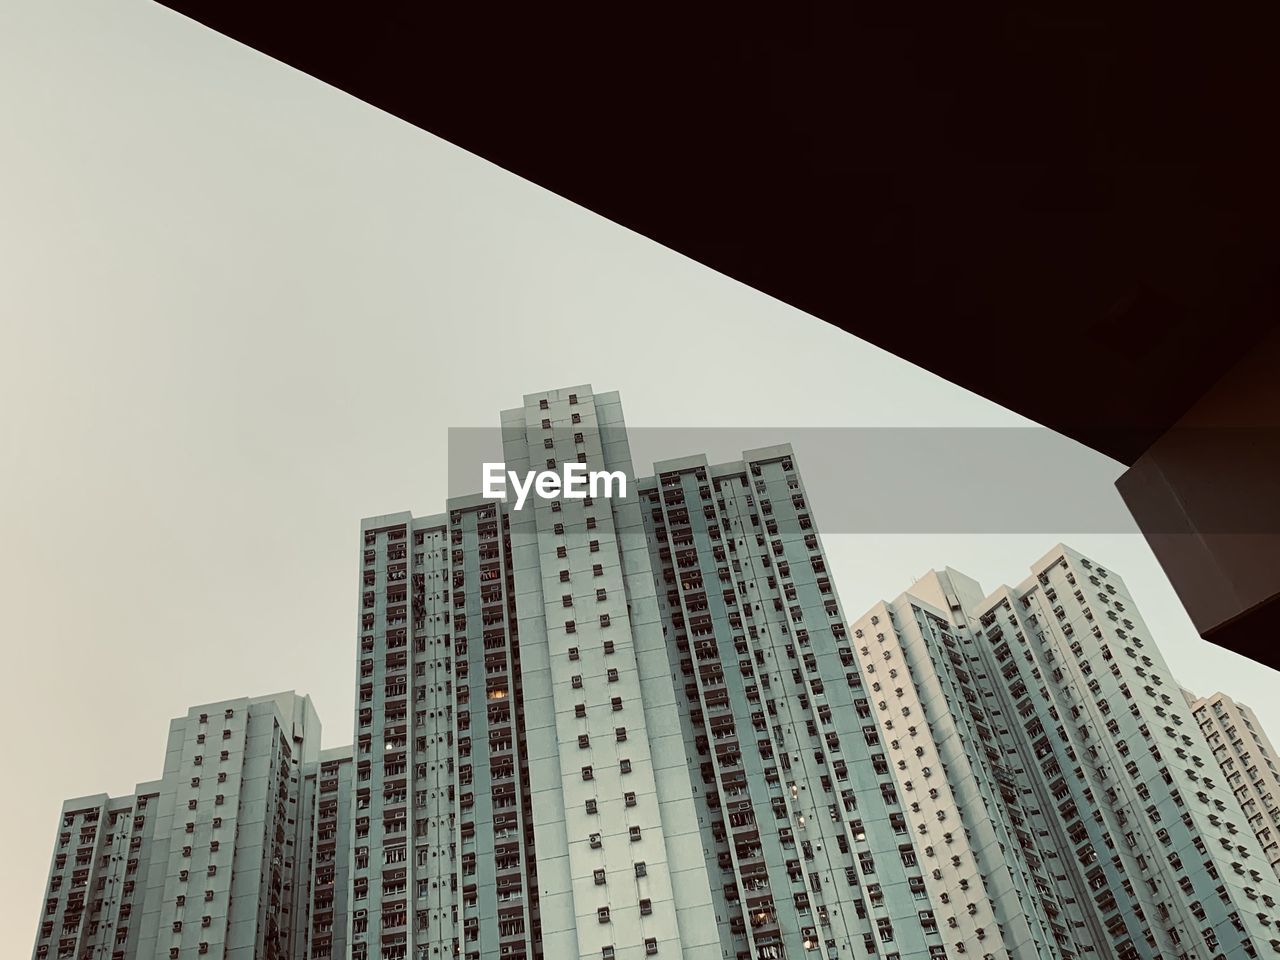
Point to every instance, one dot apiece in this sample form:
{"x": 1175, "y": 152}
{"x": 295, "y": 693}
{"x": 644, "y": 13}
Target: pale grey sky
{"x": 240, "y": 310}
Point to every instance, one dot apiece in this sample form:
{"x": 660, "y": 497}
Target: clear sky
{"x": 240, "y": 310}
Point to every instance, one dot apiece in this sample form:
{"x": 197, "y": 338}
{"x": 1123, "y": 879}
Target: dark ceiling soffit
{"x": 1069, "y": 215}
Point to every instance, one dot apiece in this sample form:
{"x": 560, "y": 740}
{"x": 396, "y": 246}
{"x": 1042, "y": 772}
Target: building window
{"x": 564, "y": 576}
{"x": 650, "y": 946}
{"x": 587, "y": 774}
{"x": 616, "y": 703}
{"x": 570, "y": 627}
{"x": 624, "y": 765}
{"x": 602, "y": 914}
{"x": 641, "y": 869}
{"x": 604, "y": 619}
{"x": 608, "y": 645}
{"x": 595, "y": 546}
{"x": 591, "y": 805}
{"x": 629, "y": 798}
{"x": 579, "y": 710}
{"x": 573, "y": 653}
{"x": 584, "y": 742}
{"x": 594, "y": 840}
{"x": 635, "y": 833}
{"x": 598, "y": 876}
{"x": 885, "y": 928}
{"x": 597, "y": 570}
{"x": 646, "y": 907}
{"x": 620, "y": 734}
{"x": 613, "y": 675}
{"x": 576, "y": 681}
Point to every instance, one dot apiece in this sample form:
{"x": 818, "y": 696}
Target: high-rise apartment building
{"x": 327, "y": 798}
{"x": 623, "y": 727}
{"x": 207, "y": 861}
{"x": 520, "y": 774}
{"x": 1247, "y": 759}
{"x": 642, "y": 725}
{"x": 1102, "y": 817}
